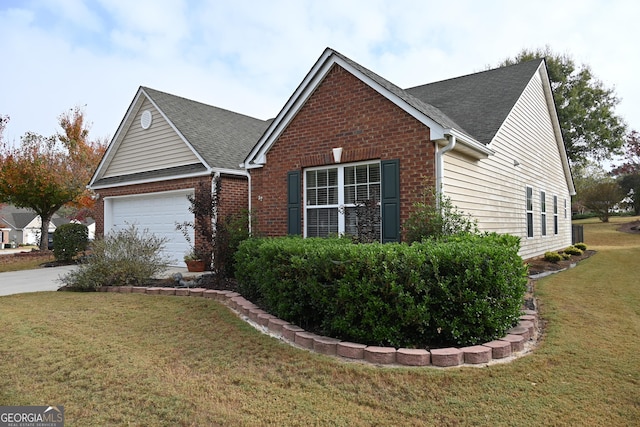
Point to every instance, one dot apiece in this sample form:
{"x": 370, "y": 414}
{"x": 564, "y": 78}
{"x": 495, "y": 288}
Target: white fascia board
{"x": 290, "y": 109}
{"x": 116, "y": 140}
{"x": 149, "y": 180}
{"x": 548, "y": 92}
{"x": 480, "y": 150}
{"x": 224, "y": 171}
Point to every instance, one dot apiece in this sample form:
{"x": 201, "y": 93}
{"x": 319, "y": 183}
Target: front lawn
{"x": 130, "y": 359}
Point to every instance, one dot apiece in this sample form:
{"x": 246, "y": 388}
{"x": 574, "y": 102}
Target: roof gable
{"x": 440, "y": 124}
{"x": 220, "y": 136}
{"x": 217, "y": 139}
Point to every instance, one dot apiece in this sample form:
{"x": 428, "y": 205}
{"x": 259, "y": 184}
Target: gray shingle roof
{"x": 479, "y": 102}
{"x": 223, "y": 138}
{"x": 151, "y": 175}
{"x": 19, "y": 218}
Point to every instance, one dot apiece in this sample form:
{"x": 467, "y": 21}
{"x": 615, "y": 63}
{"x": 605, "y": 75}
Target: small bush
{"x": 436, "y": 216}
{"x": 124, "y": 257}
{"x": 68, "y": 240}
{"x": 565, "y": 256}
{"x": 581, "y": 246}
{"x": 572, "y": 250}
{"x": 553, "y": 257}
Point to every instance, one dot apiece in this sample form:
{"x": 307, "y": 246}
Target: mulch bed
{"x": 206, "y": 281}
{"x": 539, "y": 265}
{"x": 630, "y": 227}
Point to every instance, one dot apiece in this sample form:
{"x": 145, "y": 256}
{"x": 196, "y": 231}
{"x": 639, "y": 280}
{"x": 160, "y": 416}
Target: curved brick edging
{"x": 519, "y": 340}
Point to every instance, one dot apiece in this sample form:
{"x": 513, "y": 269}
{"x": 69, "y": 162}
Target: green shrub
{"x": 572, "y": 250}
{"x": 124, "y": 257}
{"x": 68, "y": 240}
{"x": 465, "y": 290}
{"x": 436, "y": 216}
{"x": 581, "y": 246}
{"x": 565, "y": 256}
{"x": 553, "y": 257}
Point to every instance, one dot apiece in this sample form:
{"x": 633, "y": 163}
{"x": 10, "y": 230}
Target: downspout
{"x": 440, "y": 166}
{"x": 249, "y": 213}
{"x": 214, "y": 190}
{"x": 248, "y": 175}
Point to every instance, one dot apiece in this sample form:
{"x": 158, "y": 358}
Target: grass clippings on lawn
{"x": 130, "y": 359}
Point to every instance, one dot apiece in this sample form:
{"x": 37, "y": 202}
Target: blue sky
{"x": 249, "y": 56}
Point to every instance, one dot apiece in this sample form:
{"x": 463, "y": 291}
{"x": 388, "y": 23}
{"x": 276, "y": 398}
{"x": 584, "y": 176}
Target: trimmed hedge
{"x": 460, "y": 291}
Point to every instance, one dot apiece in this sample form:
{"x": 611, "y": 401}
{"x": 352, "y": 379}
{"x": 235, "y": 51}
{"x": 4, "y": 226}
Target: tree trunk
{"x": 44, "y": 232}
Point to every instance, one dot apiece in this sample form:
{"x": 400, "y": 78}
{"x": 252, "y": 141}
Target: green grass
{"x": 129, "y": 359}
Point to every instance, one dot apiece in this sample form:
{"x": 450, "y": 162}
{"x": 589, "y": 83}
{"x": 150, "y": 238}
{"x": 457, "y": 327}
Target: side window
{"x": 555, "y": 215}
{"x": 529, "y": 208}
{"x": 543, "y": 213}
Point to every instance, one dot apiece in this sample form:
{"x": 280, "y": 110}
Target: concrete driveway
{"x": 41, "y": 279}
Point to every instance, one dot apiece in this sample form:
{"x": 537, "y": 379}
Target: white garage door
{"x": 157, "y": 213}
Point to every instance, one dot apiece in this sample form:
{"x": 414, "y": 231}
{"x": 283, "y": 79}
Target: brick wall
{"x": 342, "y": 112}
{"x": 234, "y": 195}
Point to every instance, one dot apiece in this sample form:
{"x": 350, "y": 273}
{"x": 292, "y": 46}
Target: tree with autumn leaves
{"x": 46, "y": 173}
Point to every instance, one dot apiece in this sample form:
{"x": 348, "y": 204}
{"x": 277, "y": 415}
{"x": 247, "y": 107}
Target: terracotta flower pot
{"x": 195, "y": 266}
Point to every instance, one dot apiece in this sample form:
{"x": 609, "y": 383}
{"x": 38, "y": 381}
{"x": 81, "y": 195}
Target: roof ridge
{"x": 147, "y": 89}
{"x": 477, "y": 73}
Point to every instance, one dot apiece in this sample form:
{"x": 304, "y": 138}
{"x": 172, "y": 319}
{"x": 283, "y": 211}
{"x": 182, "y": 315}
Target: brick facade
{"x": 342, "y": 112}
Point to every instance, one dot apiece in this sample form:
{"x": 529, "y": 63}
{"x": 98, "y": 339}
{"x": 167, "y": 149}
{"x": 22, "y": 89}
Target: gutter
{"x": 440, "y": 166}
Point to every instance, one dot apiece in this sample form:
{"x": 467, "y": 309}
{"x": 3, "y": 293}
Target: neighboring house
{"x": 164, "y": 148}
{"x": 22, "y": 226}
{"x": 490, "y": 141}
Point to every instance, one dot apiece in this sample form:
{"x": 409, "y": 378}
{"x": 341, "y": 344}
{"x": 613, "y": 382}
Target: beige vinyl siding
{"x": 493, "y": 190}
{"x": 142, "y": 150}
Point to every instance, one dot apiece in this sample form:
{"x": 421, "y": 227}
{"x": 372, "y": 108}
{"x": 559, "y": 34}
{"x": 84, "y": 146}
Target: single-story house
{"x": 490, "y": 141}
{"x": 164, "y": 149}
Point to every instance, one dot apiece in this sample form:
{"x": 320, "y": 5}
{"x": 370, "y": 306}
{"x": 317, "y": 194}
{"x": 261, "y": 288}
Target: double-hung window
{"x": 529, "y": 209}
{"x": 555, "y": 215}
{"x": 543, "y": 213}
{"x": 337, "y": 198}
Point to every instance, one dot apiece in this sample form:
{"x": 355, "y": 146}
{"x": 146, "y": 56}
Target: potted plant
{"x": 194, "y": 262}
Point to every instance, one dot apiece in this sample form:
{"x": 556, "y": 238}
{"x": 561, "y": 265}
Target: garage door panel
{"x": 157, "y": 213}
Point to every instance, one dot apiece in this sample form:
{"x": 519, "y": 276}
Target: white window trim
{"x": 556, "y": 221}
{"x": 543, "y": 214}
{"x": 529, "y": 211}
{"x": 341, "y": 204}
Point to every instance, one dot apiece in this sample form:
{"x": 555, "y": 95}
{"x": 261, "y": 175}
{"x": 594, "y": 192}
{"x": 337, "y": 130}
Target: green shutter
{"x": 390, "y": 170}
{"x": 293, "y": 203}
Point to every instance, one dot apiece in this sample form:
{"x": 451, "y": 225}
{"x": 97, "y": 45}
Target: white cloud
{"x": 249, "y": 56}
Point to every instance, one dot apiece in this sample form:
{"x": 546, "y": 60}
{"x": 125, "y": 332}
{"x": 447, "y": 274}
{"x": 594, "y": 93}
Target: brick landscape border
{"x": 518, "y": 342}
